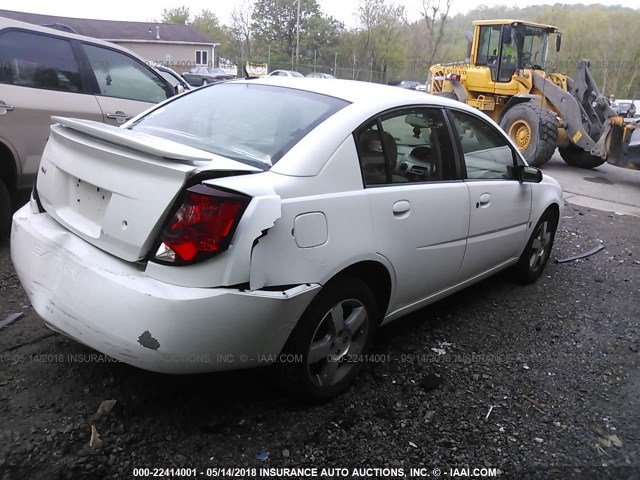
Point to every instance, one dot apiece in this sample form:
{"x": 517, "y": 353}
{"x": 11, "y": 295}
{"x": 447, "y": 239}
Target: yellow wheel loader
{"x": 507, "y": 76}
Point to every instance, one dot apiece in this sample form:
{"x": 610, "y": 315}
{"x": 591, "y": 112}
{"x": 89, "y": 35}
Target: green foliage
{"x": 274, "y": 22}
{"x": 176, "y": 15}
{"x": 207, "y": 22}
{"x": 378, "y": 43}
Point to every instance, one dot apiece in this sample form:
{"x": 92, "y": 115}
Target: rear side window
{"x": 414, "y": 146}
{"x": 121, "y": 76}
{"x": 38, "y": 61}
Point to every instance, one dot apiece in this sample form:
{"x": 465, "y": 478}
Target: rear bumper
{"x": 112, "y": 306}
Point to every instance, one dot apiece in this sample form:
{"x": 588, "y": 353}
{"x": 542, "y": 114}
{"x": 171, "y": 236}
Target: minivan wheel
{"x": 5, "y": 211}
{"x": 536, "y": 254}
{"x": 329, "y": 342}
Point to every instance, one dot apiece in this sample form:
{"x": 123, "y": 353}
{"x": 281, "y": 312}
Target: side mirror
{"x": 469, "y": 43}
{"x": 179, "y": 89}
{"x": 506, "y": 34}
{"x": 529, "y": 174}
{"x": 558, "y": 42}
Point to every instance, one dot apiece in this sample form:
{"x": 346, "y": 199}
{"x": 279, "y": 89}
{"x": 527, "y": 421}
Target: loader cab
{"x": 506, "y": 46}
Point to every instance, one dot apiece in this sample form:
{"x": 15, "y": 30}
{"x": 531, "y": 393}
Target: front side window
{"x": 254, "y": 124}
{"x": 121, "y": 76}
{"x": 408, "y": 146}
{"x": 532, "y": 42}
{"x": 38, "y": 61}
{"x": 487, "y": 154}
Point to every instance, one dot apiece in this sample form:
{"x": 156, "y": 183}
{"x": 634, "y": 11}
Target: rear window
{"x": 254, "y": 124}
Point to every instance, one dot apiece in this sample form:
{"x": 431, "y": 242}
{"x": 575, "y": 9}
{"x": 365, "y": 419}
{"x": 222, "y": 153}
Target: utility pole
{"x": 298, "y": 37}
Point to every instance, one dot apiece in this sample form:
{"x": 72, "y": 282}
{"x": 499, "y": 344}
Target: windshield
{"x": 532, "y": 42}
{"x": 254, "y": 124}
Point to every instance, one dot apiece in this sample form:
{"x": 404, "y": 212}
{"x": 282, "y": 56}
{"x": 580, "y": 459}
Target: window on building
{"x": 202, "y": 57}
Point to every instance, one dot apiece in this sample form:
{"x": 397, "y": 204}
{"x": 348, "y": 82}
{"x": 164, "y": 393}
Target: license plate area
{"x": 86, "y": 207}
{"x": 88, "y": 200}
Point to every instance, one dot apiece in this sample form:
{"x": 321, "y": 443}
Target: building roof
{"x": 116, "y": 30}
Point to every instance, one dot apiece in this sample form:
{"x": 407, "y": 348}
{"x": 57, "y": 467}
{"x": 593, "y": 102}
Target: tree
{"x": 240, "y": 30}
{"x": 274, "y": 22}
{"x": 207, "y": 22}
{"x": 379, "y": 41}
{"x": 320, "y": 40}
{"x": 176, "y": 15}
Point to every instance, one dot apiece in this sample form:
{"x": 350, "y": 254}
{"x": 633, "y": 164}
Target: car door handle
{"x": 484, "y": 200}
{"x": 120, "y": 117}
{"x": 6, "y": 108}
{"x": 401, "y": 207}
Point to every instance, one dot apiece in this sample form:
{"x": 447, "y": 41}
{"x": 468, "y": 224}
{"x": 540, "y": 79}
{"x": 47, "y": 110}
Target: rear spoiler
{"x": 150, "y": 144}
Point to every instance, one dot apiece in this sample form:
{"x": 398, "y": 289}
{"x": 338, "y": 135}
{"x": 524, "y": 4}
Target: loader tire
{"x": 576, "y": 157}
{"x": 534, "y": 130}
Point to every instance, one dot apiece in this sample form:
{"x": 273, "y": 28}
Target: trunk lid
{"x": 115, "y": 187}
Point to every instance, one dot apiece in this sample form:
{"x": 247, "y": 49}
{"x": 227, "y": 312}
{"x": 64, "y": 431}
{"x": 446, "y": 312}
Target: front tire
{"x": 5, "y": 211}
{"x": 205, "y": 82}
{"x": 536, "y": 254}
{"x": 533, "y": 129}
{"x": 331, "y": 337}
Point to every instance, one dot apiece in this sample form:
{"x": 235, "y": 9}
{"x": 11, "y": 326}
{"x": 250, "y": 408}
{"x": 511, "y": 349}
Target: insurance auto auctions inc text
{"x": 365, "y": 472}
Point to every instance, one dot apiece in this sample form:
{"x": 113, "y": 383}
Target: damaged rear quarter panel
{"x": 232, "y": 266}
{"x": 337, "y": 197}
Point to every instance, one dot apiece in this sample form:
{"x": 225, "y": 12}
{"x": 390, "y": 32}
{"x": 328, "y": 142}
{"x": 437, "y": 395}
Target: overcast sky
{"x": 146, "y": 10}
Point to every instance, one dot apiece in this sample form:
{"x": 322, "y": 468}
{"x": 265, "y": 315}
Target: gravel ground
{"x": 541, "y": 381}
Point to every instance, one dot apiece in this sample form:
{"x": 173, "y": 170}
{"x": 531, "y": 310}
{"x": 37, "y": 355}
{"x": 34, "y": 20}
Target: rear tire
{"x": 534, "y": 130}
{"x": 331, "y": 337}
{"x": 205, "y": 82}
{"x": 536, "y": 254}
{"x": 576, "y": 157}
{"x": 5, "y": 211}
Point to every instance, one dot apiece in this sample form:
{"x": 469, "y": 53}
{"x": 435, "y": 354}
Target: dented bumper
{"x": 112, "y": 306}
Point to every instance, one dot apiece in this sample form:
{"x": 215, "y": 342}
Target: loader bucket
{"x": 624, "y": 149}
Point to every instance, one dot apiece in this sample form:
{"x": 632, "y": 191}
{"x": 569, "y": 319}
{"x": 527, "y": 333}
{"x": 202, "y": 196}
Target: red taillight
{"x": 202, "y": 226}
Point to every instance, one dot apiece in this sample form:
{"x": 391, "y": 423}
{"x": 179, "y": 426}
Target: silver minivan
{"x": 45, "y": 72}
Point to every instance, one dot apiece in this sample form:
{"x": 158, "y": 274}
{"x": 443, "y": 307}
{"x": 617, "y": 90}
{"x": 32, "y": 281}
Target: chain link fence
{"x": 338, "y": 70}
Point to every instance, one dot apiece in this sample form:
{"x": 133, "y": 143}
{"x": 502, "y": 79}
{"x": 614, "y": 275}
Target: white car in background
{"x": 197, "y": 239}
{"x": 284, "y": 73}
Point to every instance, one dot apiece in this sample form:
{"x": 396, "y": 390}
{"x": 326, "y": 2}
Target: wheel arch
{"x": 376, "y": 276}
{"x": 8, "y": 168}
{"x": 516, "y": 100}
{"x": 546, "y": 205}
{"x": 555, "y": 209}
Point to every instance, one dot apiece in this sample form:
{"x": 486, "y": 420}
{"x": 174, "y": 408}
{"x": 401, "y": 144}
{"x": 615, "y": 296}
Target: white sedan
{"x": 266, "y": 221}
{"x": 285, "y": 73}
